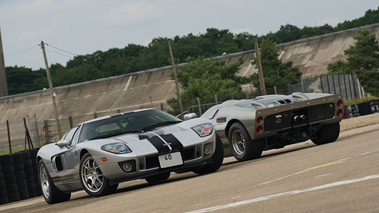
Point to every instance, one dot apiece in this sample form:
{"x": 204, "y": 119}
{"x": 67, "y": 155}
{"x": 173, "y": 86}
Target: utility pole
{"x": 3, "y": 76}
{"x": 51, "y": 90}
{"x": 176, "y": 80}
{"x": 260, "y": 71}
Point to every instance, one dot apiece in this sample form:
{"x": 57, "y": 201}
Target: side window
{"x": 76, "y": 136}
{"x": 70, "y": 134}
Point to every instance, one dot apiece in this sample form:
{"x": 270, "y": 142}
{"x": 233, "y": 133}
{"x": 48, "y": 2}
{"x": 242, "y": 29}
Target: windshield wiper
{"x": 165, "y": 123}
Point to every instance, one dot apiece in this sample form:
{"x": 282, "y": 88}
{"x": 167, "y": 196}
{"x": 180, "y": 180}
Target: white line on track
{"x": 268, "y": 197}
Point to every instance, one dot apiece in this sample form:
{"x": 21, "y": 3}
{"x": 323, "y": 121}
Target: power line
{"x": 61, "y": 49}
{"x": 21, "y": 51}
{"x": 59, "y": 53}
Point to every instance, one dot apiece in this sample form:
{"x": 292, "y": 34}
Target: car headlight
{"x": 203, "y": 129}
{"x": 116, "y": 148}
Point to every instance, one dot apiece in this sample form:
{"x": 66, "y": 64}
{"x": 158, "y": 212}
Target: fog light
{"x": 208, "y": 149}
{"x": 127, "y": 167}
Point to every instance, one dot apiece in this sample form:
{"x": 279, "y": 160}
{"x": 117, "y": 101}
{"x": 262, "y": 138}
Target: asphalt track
{"x": 338, "y": 177}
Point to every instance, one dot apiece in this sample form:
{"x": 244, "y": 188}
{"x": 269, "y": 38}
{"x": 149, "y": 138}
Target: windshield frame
{"x": 126, "y": 123}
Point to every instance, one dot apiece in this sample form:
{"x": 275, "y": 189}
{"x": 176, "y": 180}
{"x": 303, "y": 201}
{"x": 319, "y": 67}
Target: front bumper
{"x": 147, "y": 165}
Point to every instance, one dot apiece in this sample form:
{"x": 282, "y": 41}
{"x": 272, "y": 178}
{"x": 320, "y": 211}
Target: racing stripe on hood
{"x": 164, "y": 143}
{"x": 172, "y": 141}
{"x": 159, "y": 144}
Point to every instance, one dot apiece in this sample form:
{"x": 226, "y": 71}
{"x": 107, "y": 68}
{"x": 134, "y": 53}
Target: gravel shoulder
{"x": 361, "y": 121}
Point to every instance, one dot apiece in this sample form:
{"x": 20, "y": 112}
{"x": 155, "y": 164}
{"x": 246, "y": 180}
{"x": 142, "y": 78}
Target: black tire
{"x": 18, "y": 157}
{"x": 33, "y": 153}
{"x": 217, "y": 158}
{"x": 50, "y": 192}
{"x": 158, "y": 177}
{"x": 26, "y": 154}
{"x": 243, "y": 148}
{"x": 8, "y": 169}
{"x": 29, "y": 178}
{"x": 21, "y": 184}
{"x": 10, "y": 178}
{"x": 37, "y": 183}
{"x": 4, "y": 199}
{"x": 92, "y": 179}
{"x": 327, "y": 133}
{"x": 28, "y": 163}
{"x": 12, "y": 197}
{"x": 11, "y": 188}
{"x": 31, "y": 185}
{"x": 20, "y": 175}
{"x": 24, "y": 193}
{"x": 3, "y": 189}
{"x": 32, "y": 193}
{"x": 6, "y": 160}
{"x": 18, "y": 166}
{"x": 29, "y": 171}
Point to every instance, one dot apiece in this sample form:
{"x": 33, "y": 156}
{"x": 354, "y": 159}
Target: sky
{"x": 80, "y": 27}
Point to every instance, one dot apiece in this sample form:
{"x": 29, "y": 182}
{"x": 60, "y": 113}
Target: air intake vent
{"x": 280, "y": 102}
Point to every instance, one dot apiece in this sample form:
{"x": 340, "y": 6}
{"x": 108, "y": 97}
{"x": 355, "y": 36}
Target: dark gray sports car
{"x": 249, "y": 126}
{"x": 98, "y": 154}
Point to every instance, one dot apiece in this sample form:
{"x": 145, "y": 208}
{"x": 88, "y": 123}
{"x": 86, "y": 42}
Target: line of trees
{"x": 133, "y": 58}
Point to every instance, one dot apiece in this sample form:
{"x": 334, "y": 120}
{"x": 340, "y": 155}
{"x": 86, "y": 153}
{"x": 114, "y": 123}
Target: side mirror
{"x": 190, "y": 116}
{"x": 63, "y": 143}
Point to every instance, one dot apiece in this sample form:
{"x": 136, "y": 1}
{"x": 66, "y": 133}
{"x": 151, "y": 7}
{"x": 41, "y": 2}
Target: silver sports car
{"x": 247, "y": 127}
{"x": 98, "y": 154}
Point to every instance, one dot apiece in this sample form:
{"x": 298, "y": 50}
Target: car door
{"x": 67, "y": 159}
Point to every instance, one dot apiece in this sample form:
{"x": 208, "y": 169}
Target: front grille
{"x": 151, "y": 162}
{"x": 286, "y": 119}
{"x": 190, "y": 153}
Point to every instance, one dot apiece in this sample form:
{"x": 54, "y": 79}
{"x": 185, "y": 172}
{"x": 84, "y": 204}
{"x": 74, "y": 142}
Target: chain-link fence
{"x": 22, "y": 133}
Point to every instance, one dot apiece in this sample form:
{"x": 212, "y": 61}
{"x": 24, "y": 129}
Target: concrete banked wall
{"x": 152, "y": 87}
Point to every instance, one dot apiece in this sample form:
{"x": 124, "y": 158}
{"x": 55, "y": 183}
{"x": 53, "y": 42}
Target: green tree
{"x": 22, "y": 79}
{"x": 205, "y": 78}
{"x": 275, "y": 72}
{"x": 363, "y": 59}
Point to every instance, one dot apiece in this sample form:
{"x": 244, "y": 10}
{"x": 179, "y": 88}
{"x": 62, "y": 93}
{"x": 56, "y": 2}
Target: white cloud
{"x": 132, "y": 14}
{"x": 35, "y": 34}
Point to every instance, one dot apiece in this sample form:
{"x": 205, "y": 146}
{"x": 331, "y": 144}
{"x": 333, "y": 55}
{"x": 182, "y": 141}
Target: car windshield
{"x": 126, "y": 123}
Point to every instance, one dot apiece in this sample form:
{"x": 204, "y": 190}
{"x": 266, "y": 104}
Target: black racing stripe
{"x": 173, "y": 142}
{"x": 159, "y": 144}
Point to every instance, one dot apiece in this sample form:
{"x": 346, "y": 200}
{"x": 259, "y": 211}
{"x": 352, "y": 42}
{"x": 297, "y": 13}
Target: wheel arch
{"x": 83, "y": 152}
{"x": 229, "y": 125}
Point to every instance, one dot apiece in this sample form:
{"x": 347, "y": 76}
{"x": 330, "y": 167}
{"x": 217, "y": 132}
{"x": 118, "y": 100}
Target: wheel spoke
{"x": 91, "y": 175}
{"x": 44, "y": 182}
{"x": 238, "y": 142}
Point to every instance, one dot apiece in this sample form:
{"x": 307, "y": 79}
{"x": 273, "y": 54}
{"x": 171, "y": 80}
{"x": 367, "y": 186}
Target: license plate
{"x": 169, "y": 160}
